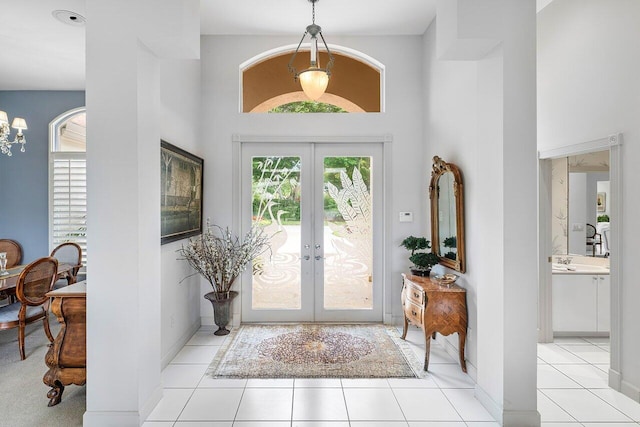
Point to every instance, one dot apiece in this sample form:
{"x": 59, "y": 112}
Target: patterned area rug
{"x": 315, "y": 351}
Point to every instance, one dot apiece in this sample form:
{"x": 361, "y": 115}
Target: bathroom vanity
{"x": 581, "y": 300}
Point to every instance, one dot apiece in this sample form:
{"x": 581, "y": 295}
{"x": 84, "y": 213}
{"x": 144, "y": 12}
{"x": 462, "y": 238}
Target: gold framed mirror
{"x": 447, "y": 214}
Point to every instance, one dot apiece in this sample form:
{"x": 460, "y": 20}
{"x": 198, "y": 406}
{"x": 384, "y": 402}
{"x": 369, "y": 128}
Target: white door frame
{"x": 385, "y": 140}
{"x": 613, "y": 143}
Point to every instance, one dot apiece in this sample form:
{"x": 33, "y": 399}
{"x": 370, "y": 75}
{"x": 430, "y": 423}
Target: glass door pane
{"x": 348, "y": 233}
{"x": 276, "y": 196}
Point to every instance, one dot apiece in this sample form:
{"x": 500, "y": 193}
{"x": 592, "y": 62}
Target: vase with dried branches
{"x": 220, "y": 257}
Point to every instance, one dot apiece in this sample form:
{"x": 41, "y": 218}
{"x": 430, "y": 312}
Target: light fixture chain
{"x": 313, "y": 12}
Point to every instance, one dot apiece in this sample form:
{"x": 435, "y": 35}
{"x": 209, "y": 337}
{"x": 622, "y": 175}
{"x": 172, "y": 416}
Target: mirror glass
{"x": 447, "y": 217}
{"x": 580, "y": 205}
{"x": 447, "y": 214}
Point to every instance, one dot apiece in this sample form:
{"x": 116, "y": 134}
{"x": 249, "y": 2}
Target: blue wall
{"x": 24, "y": 177}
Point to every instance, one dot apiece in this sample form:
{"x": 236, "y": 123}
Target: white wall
{"x": 124, "y": 115}
{"x": 180, "y": 125}
{"x": 588, "y": 88}
{"x": 221, "y": 57}
{"x": 481, "y": 115}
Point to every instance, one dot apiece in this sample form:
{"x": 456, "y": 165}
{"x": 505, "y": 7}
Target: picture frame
{"x": 601, "y": 202}
{"x": 181, "y": 193}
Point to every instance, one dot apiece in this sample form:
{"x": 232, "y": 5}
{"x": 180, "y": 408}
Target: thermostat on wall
{"x": 406, "y": 216}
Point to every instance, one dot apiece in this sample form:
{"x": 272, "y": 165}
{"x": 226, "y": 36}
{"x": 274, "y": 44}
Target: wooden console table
{"x": 435, "y": 308}
{"x": 67, "y": 356}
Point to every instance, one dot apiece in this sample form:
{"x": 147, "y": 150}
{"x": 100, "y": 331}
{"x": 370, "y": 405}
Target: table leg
{"x": 427, "y": 350}
{"x": 462, "y": 337}
{"x": 406, "y": 326}
{"x": 55, "y": 394}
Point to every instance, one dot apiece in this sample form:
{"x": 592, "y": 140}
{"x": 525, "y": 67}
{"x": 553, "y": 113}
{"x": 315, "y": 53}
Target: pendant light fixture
{"x": 314, "y": 80}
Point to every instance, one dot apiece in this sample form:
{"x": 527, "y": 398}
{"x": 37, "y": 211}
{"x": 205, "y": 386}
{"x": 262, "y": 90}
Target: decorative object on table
{"x": 422, "y": 261}
{"x": 447, "y": 214}
{"x": 3, "y": 264}
{"x": 181, "y": 193}
{"x": 601, "y": 202}
{"x": 315, "y": 351}
{"x": 220, "y": 256}
{"x": 19, "y": 124}
{"x": 13, "y": 251}
{"x": 446, "y": 279}
{"x": 603, "y": 218}
{"x": 314, "y": 80}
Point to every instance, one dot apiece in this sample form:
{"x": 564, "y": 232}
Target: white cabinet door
{"x": 604, "y": 303}
{"x": 574, "y": 302}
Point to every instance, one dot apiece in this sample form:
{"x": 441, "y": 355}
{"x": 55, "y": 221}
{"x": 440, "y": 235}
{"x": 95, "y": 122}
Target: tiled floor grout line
{"x": 555, "y": 403}
{"x": 556, "y": 367}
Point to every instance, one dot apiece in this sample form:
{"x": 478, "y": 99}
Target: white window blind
{"x": 69, "y": 200}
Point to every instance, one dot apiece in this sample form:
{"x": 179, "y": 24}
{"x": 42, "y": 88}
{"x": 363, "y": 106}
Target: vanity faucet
{"x": 565, "y": 261}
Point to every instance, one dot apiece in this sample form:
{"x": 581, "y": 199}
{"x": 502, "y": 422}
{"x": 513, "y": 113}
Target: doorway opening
{"x": 579, "y": 286}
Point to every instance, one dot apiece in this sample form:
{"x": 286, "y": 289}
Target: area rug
{"x": 315, "y": 351}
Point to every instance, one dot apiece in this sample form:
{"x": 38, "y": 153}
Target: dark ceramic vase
{"x": 221, "y": 302}
{"x": 422, "y": 273}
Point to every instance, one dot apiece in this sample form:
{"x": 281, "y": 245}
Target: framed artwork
{"x": 181, "y": 193}
{"x": 602, "y": 202}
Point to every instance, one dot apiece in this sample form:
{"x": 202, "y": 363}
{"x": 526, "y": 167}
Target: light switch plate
{"x": 406, "y": 216}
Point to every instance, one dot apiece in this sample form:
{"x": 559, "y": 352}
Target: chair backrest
{"x": 591, "y": 231}
{"x": 13, "y": 250}
{"x": 68, "y": 253}
{"x": 36, "y": 280}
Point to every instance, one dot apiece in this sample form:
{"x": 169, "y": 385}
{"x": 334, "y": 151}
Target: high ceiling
{"x": 41, "y": 53}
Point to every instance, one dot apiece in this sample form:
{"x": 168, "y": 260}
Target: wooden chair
{"x": 68, "y": 253}
{"x": 593, "y": 238}
{"x": 13, "y": 250}
{"x": 33, "y": 283}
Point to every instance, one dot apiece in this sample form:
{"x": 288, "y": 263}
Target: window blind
{"x": 69, "y": 200}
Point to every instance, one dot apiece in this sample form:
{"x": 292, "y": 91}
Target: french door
{"x": 321, "y": 206}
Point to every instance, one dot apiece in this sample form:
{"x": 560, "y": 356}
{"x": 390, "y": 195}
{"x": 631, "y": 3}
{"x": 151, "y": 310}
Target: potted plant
{"x": 422, "y": 261}
{"x": 220, "y": 257}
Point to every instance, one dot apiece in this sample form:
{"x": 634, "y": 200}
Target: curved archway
{"x": 356, "y": 84}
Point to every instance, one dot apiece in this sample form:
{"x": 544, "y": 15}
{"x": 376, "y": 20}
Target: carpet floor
{"x": 23, "y": 395}
{"x": 315, "y": 351}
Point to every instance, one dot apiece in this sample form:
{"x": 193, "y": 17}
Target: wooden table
{"x": 8, "y": 283}
{"x": 67, "y": 356}
{"x": 435, "y": 308}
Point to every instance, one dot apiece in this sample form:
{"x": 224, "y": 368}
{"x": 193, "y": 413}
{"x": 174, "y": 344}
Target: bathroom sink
{"x": 580, "y": 268}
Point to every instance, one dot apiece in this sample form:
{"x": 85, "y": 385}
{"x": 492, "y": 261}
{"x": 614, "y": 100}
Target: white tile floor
{"x": 572, "y": 392}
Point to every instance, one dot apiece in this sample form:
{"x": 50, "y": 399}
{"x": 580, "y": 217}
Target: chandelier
{"x": 19, "y": 124}
{"x": 314, "y": 80}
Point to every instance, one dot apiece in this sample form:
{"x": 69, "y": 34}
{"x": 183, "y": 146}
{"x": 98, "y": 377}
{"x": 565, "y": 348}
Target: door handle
{"x": 306, "y": 257}
{"x": 319, "y": 257}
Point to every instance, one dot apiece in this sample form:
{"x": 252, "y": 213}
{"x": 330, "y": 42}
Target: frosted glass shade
{"x": 19, "y": 123}
{"x": 3, "y": 118}
{"x": 314, "y": 82}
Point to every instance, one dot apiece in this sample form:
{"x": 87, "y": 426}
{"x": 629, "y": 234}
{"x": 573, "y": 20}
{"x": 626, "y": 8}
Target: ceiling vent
{"x": 70, "y": 18}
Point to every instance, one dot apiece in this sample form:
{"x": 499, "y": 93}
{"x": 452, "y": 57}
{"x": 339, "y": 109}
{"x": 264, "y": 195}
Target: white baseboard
{"x": 177, "y": 346}
{"x": 630, "y": 390}
{"x": 489, "y": 404}
{"x": 615, "y": 380}
{"x": 521, "y": 419}
{"x": 151, "y": 402}
{"x": 111, "y": 419}
{"x": 452, "y": 351}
